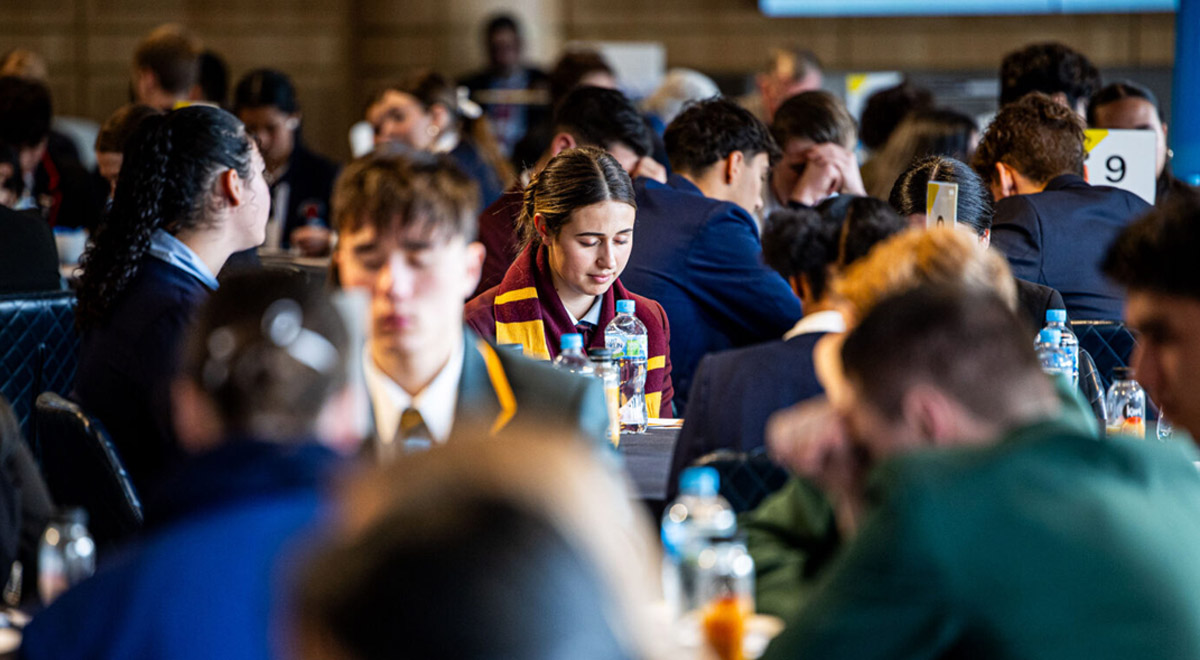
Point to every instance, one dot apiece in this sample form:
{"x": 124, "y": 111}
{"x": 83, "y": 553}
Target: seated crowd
{"x": 357, "y": 466}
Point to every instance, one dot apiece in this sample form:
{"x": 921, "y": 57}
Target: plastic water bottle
{"x": 66, "y": 556}
{"x": 1056, "y": 319}
{"x": 691, "y": 528}
{"x": 607, "y": 371}
{"x": 1054, "y": 358}
{"x": 571, "y": 357}
{"x": 625, "y": 336}
{"x": 1126, "y": 404}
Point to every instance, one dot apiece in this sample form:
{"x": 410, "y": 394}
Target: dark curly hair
{"x": 573, "y": 179}
{"x": 863, "y": 222}
{"x": 1050, "y": 68}
{"x": 1035, "y": 136}
{"x": 974, "y": 199}
{"x": 708, "y": 131}
{"x": 171, "y": 162}
{"x": 801, "y": 242}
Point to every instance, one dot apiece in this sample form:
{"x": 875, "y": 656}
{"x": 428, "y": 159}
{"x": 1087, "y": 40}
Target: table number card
{"x": 1123, "y": 159}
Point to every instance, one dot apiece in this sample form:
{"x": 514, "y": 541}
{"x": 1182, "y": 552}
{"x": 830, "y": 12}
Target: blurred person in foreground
{"x": 406, "y": 228}
{"x": 586, "y": 117}
{"x": 816, "y": 136}
{"x": 795, "y": 534}
{"x": 974, "y": 206}
{"x": 260, "y": 401}
{"x": 1128, "y": 105}
{"x": 999, "y": 529}
{"x": 1154, "y": 259}
{"x": 1067, "y": 76}
{"x": 531, "y": 548}
{"x": 1053, "y": 226}
{"x": 698, "y": 252}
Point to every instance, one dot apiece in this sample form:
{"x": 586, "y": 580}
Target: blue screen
{"x": 948, "y": 7}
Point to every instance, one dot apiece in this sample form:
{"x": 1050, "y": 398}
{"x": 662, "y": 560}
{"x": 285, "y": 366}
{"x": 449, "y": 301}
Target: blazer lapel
{"x": 479, "y": 409}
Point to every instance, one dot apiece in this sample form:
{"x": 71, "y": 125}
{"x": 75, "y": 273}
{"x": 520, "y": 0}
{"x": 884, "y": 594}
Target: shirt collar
{"x": 436, "y": 402}
{"x": 591, "y": 316}
{"x": 829, "y": 320}
{"x": 166, "y": 247}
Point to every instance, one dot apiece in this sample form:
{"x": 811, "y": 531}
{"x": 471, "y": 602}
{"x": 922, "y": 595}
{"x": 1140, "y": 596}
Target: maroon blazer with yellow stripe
{"x": 525, "y": 309}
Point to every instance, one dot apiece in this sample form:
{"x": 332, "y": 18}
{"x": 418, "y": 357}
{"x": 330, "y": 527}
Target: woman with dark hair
{"x": 425, "y": 112}
{"x": 975, "y": 214}
{"x": 933, "y": 132}
{"x": 191, "y": 192}
{"x": 577, "y": 225}
{"x": 301, "y": 180}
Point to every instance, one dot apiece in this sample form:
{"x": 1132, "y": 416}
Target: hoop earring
{"x": 431, "y": 130}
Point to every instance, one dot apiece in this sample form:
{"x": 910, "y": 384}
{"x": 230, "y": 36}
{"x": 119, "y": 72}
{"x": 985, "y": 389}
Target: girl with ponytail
{"x": 190, "y": 193}
{"x": 425, "y": 112}
{"x": 577, "y": 227}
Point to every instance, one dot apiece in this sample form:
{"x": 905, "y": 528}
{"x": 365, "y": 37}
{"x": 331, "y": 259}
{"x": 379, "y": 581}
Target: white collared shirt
{"x": 436, "y": 402}
{"x": 828, "y": 321}
{"x": 592, "y": 316}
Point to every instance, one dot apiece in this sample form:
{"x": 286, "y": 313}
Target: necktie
{"x": 584, "y": 328}
{"x": 412, "y": 435}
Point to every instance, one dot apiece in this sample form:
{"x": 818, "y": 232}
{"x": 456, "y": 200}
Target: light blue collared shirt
{"x": 166, "y": 247}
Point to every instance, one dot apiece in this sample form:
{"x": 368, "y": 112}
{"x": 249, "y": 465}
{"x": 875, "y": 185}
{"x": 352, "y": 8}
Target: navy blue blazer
{"x": 126, "y": 364}
{"x": 701, "y": 259}
{"x": 734, "y": 392}
{"x": 1058, "y": 238}
{"x": 28, "y": 255}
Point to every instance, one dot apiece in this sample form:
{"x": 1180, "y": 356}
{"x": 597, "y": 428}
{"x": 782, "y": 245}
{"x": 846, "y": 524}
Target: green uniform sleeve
{"x": 792, "y": 535}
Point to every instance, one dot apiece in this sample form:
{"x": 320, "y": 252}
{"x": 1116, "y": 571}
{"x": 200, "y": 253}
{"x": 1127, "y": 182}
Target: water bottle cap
{"x": 704, "y": 481}
{"x": 626, "y": 306}
{"x": 1123, "y": 373}
{"x": 600, "y": 354}
{"x": 1049, "y": 336}
{"x": 1056, "y": 315}
{"x": 572, "y": 341}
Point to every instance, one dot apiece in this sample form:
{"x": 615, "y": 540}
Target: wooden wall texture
{"x": 339, "y": 50}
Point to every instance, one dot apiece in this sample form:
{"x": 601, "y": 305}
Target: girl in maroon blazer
{"x": 577, "y": 228}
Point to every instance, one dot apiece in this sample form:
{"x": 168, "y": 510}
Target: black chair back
{"x": 39, "y": 349}
{"x": 1091, "y": 387}
{"x": 1109, "y": 343}
{"x": 746, "y": 478}
{"x": 82, "y": 469}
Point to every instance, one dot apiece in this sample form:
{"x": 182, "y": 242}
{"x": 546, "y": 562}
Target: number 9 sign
{"x": 1123, "y": 159}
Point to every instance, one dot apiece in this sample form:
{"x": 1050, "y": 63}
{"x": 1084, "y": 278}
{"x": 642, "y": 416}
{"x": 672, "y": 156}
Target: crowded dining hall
{"x": 565, "y": 329}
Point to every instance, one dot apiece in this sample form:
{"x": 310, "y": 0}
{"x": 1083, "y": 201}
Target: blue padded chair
{"x": 39, "y": 349}
{"x": 82, "y": 468}
{"x": 746, "y": 477}
{"x": 1109, "y": 343}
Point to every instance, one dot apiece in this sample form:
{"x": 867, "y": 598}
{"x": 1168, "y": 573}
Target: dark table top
{"x": 648, "y": 460}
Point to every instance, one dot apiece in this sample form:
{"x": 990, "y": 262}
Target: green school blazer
{"x": 1050, "y": 544}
